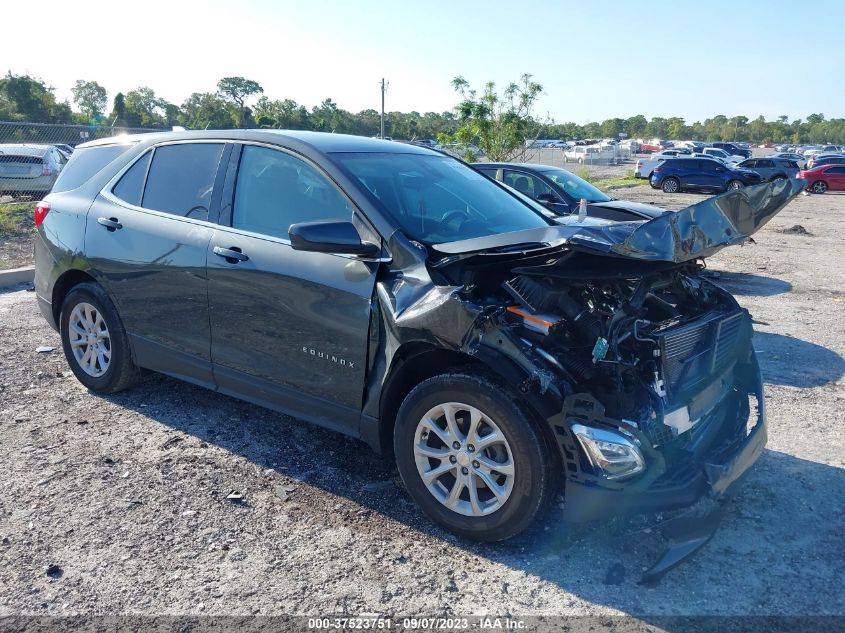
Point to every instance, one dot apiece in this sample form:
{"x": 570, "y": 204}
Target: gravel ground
{"x": 113, "y": 505}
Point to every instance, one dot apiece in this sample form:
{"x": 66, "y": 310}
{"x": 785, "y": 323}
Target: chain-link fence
{"x": 56, "y": 133}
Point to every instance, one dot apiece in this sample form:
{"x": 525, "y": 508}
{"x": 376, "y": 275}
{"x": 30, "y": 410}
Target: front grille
{"x": 694, "y": 353}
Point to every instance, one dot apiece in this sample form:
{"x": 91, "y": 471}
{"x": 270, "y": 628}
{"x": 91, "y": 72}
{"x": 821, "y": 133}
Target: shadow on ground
{"x": 751, "y": 285}
{"x": 787, "y": 360}
{"x": 783, "y": 529}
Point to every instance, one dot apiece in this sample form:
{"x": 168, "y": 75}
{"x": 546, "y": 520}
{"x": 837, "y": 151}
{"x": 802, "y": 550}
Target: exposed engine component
{"x": 650, "y": 341}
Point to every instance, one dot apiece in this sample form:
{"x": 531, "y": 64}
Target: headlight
{"x": 610, "y": 452}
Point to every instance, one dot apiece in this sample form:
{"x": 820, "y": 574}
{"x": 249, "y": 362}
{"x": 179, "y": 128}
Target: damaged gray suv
{"x": 395, "y": 294}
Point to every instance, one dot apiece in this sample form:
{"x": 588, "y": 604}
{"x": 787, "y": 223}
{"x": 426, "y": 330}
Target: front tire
{"x": 94, "y": 341}
{"x": 471, "y": 458}
{"x": 671, "y": 185}
{"x": 733, "y": 185}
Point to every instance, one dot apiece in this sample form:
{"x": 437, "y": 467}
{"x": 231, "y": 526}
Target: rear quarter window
{"x": 130, "y": 187}
{"x": 84, "y": 163}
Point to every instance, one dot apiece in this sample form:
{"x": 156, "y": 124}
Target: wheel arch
{"x": 64, "y": 284}
{"x": 416, "y": 362}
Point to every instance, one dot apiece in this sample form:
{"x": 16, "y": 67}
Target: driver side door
{"x": 289, "y": 329}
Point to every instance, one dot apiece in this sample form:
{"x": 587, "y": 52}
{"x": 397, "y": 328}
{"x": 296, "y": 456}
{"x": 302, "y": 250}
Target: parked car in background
{"x": 824, "y": 178}
{"x": 825, "y": 159}
{"x": 718, "y": 159}
{"x": 771, "y": 168}
{"x": 798, "y": 158}
{"x": 644, "y": 168}
{"x": 732, "y": 149}
{"x": 649, "y": 147}
{"x": 720, "y": 153}
{"x": 29, "y": 169}
{"x": 700, "y": 174}
{"x": 561, "y": 191}
{"x": 589, "y": 154}
{"x": 66, "y": 150}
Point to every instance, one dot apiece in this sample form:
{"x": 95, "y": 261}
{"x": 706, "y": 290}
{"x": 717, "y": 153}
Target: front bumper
{"x": 714, "y": 473}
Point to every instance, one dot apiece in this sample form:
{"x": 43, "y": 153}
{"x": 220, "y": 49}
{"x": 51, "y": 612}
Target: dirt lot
{"x": 119, "y": 504}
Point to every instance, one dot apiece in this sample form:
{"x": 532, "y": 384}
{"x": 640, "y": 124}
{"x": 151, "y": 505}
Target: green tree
{"x": 206, "y": 110}
{"x": 676, "y": 128}
{"x": 144, "y": 109}
{"x": 118, "y": 110}
{"x": 90, "y": 97}
{"x": 26, "y": 98}
{"x": 498, "y": 123}
{"x": 237, "y": 90}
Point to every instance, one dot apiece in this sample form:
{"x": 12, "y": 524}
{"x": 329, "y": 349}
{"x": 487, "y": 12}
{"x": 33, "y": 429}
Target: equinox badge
{"x": 337, "y": 360}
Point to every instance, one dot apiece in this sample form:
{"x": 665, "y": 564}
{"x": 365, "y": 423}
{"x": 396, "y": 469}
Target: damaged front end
{"x": 642, "y": 369}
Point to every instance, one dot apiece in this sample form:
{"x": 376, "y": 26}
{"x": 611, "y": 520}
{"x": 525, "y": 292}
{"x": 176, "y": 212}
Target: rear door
{"x": 835, "y": 177}
{"x": 766, "y": 167}
{"x": 147, "y": 241}
{"x": 288, "y": 328}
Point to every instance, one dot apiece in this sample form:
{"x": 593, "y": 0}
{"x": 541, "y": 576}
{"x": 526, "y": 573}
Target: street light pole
{"x": 383, "y": 88}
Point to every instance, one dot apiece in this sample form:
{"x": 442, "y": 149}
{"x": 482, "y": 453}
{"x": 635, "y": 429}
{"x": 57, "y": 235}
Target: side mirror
{"x": 330, "y": 236}
{"x": 548, "y": 199}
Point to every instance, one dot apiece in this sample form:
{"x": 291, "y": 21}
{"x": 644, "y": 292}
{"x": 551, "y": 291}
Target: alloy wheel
{"x": 819, "y": 187}
{"x": 89, "y": 339}
{"x": 464, "y": 459}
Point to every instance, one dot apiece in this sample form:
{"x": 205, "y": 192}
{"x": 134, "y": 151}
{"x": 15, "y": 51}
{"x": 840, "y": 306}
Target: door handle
{"x": 111, "y": 224}
{"x": 232, "y": 255}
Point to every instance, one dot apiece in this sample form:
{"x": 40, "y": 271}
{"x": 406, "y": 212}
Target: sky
{"x": 595, "y": 60}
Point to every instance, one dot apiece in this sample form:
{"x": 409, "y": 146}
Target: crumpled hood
{"x": 697, "y": 231}
{"x": 644, "y": 210}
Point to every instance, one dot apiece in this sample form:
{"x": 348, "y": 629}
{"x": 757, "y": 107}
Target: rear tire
{"x": 671, "y": 185}
{"x": 426, "y": 442}
{"x": 820, "y": 186}
{"x": 94, "y": 340}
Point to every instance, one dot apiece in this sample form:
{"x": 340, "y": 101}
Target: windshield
{"x": 576, "y": 187}
{"x": 437, "y": 199}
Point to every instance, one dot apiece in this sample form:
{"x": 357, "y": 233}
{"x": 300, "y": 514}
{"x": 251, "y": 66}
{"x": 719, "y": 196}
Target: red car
{"x": 650, "y": 148}
{"x": 824, "y": 178}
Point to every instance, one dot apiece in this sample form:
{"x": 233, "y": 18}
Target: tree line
{"x": 239, "y": 102}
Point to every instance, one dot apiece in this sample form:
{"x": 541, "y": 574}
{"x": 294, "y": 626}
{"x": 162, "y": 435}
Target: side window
{"x": 748, "y": 164}
{"x": 84, "y": 163}
{"x": 526, "y": 183}
{"x": 275, "y": 190}
{"x": 131, "y": 185}
{"x": 836, "y": 170}
{"x": 487, "y": 172}
{"x": 765, "y": 163}
{"x": 181, "y": 178}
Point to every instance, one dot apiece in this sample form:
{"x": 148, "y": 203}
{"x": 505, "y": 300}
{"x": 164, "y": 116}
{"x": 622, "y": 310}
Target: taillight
{"x": 41, "y": 211}
{"x": 658, "y": 168}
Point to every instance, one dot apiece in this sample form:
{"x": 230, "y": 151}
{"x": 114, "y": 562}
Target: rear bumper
{"x": 714, "y": 474}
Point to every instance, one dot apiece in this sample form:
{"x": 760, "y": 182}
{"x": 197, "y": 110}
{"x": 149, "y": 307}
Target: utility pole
{"x": 383, "y": 89}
